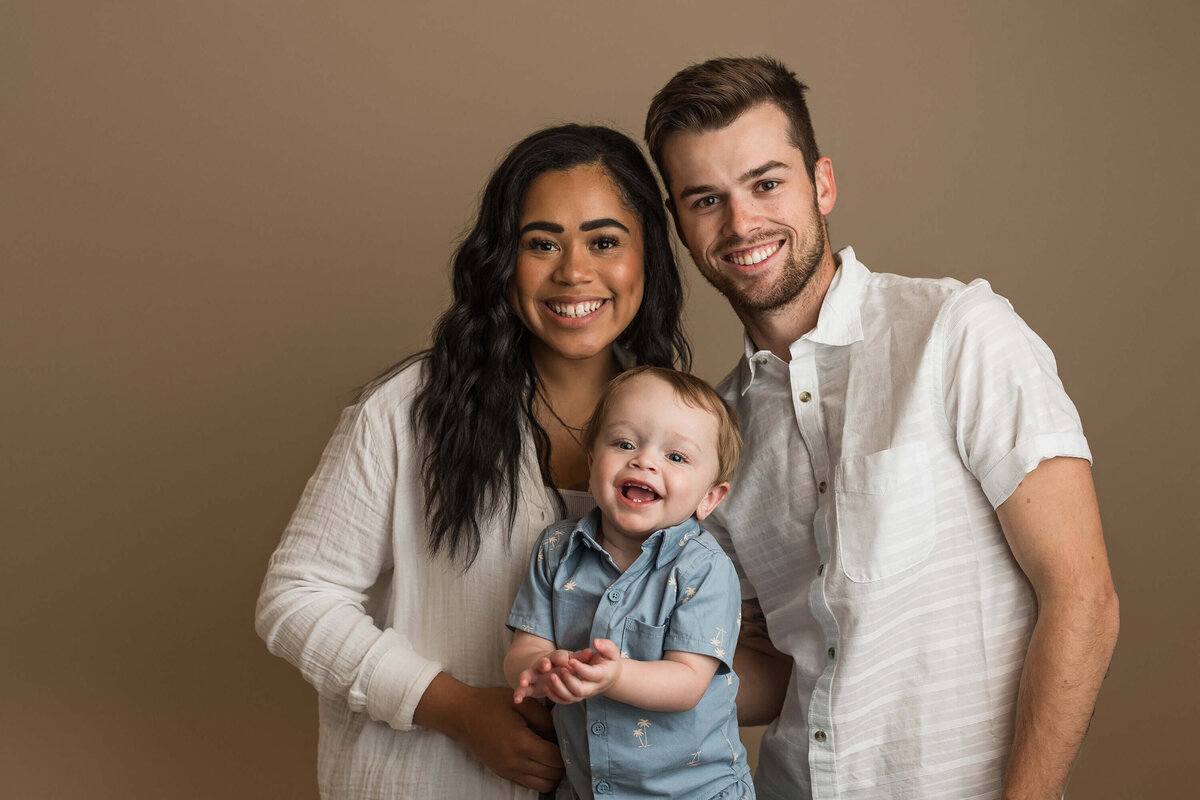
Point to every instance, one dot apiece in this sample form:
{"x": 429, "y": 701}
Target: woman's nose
{"x": 574, "y": 268}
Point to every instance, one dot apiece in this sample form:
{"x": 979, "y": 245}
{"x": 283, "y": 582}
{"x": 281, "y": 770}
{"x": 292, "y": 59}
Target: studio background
{"x": 217, "y": 219}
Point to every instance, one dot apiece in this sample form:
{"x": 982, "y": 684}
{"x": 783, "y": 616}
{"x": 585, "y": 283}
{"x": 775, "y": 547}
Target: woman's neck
{"x": 567, "y": 394}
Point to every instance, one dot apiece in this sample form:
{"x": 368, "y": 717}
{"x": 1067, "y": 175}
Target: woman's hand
{"x": 514, "y": 741}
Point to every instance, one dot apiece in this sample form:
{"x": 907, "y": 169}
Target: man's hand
{"x": 763, "y": 671}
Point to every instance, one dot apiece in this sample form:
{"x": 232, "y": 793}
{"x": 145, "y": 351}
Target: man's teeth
{"x": 575, "y": 310}
{"x": 754, "y": 256}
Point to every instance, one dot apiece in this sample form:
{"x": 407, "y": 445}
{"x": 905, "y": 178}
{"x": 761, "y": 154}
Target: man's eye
{"x": 767, "y": 186}
{"x": 705, "y": 202}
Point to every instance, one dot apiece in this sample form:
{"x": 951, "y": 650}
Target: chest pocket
{"x": 885, "y": 512}
{"x": 642, "y": 641}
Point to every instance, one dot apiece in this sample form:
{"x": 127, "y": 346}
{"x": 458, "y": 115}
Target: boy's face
{"x": 654, "y": 461}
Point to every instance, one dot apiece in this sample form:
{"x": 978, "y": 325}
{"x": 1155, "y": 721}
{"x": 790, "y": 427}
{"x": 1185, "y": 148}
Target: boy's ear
{"x": 712, "y": 498}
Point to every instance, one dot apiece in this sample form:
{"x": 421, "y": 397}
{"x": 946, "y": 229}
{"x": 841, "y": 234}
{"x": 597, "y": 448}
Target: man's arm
{"x": 1052, "y": 523}
{"x": 763, "y": 672}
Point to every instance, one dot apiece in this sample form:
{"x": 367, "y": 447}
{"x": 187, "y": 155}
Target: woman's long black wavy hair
{"x": 478, "y": 377}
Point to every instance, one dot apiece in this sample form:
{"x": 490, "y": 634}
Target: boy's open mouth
{"x": 638, "y": 492}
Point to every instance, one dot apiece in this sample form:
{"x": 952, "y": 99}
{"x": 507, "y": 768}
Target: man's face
{"x": 746, "y": 209}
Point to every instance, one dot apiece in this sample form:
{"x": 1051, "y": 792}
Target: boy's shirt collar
{"x": 665, "y": 545}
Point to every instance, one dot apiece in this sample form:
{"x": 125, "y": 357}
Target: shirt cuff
{"x": 1006, "y": 476}
{"x": 398, "y": 682}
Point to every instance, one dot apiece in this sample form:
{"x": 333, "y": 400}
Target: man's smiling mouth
{"x": 753, "y": 255}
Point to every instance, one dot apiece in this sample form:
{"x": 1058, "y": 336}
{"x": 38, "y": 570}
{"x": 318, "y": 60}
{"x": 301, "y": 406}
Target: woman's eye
{"x": 606, "y": 242}
{"x": 545, "y": 245}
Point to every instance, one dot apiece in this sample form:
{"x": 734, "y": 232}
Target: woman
{"x": 391, "y": 585}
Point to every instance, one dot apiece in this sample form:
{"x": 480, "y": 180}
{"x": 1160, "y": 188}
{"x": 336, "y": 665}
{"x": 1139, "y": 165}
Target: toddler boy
{"x": 628, "y": 617}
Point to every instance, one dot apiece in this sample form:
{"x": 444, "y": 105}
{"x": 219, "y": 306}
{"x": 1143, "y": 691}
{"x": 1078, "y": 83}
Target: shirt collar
{"x": 838, "y": 323}
{"x": 665, "y": 544}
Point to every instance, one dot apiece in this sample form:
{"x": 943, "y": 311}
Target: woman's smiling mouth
{"x": 574, "y": 310}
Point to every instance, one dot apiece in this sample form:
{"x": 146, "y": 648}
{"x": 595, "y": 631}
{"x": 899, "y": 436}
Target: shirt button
{"x": 603, "y": 787}
{"x": 760, "y": 359}
{"x": 832, "y": 653}
{"x": 614, "y": 594}
{"x": 822, "y": 486}
{"x": 598, "y": 728}
{"x": 805, "y": 397}
{"x": 821, "y": 569}
{"x": 819, "y": 736}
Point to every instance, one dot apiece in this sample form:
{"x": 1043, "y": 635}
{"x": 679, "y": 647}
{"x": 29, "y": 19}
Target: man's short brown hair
{"x": 709, "y": 96}
{"x": 692, "y": 392}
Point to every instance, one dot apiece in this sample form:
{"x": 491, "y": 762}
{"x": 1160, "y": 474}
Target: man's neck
{"x": 776, "y": 330}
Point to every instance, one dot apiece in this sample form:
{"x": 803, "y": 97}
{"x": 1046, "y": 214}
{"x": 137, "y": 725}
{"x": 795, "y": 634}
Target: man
{"x": 914, "y": 518}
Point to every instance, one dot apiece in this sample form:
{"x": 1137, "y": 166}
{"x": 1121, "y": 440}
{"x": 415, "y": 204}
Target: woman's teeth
{"x": 752, "y": 257}
{"x": 575, "y": 310}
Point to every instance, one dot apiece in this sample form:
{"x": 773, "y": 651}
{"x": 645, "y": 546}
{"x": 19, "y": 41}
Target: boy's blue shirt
{"x": 682, "y": 593}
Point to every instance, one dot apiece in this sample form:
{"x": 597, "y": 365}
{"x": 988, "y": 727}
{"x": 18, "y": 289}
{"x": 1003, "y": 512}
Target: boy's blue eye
{"x": 625, "y": 445}
{"x": 676, "y": 457}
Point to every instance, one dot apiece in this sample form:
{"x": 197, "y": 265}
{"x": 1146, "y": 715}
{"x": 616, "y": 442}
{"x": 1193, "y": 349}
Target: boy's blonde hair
{"x": 693, "y": 392}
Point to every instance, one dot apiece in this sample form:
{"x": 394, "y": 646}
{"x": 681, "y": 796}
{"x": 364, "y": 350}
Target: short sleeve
{"x": 1002, "y": 393}
{"x": 707, "y": 615}
{"x": 532, "y": 609}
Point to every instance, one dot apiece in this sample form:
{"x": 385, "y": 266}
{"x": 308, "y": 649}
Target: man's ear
{"x": 824, "y": 185}
{"x": 712, "y": 498}
{"x": 670, "y": 204}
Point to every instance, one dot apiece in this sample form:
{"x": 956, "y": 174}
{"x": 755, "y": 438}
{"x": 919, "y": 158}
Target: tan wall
{"x": 217, "y": 218}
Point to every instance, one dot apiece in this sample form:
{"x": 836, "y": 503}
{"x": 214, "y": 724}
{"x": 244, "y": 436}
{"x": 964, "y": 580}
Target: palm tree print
{"x": 641, "y": 732}
{"x": 718, "y": 643}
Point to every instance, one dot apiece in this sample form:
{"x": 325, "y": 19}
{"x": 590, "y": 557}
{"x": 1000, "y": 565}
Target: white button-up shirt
{"x": 862, "y": 518}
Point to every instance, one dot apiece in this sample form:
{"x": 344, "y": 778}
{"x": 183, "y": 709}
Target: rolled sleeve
{"x": 1002, "y": 394}
{"x": 311, "y": 609}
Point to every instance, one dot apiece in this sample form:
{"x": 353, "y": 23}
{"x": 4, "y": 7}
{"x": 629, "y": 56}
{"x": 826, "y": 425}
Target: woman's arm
{"x": 311, "y": 611}
{"x": 515, "y": 741}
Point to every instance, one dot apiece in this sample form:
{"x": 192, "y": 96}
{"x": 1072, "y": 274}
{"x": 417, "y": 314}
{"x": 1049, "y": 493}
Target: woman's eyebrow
{"x": 604, "y": 222}
{"x": 549, "y": 227}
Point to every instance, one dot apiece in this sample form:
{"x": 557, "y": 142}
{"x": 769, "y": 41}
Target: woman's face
{"x": 579, "y": 278}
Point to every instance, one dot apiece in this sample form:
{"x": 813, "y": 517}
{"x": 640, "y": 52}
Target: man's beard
{"x": 794, "y": 275}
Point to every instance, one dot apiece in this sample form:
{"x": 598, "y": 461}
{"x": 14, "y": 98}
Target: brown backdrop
{"x": 217, "y": 218}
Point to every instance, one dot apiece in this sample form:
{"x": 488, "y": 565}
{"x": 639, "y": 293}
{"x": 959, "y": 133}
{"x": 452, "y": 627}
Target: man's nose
{"x": 741, "y": 217}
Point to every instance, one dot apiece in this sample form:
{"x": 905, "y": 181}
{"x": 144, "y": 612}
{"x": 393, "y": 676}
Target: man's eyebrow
{"x": 603, "y": 222}
{"x": 758, "y": 172}
{"x": 748, "y": 175}
{"x": 549, "y": 227}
